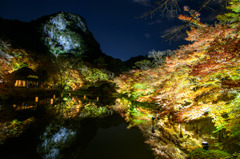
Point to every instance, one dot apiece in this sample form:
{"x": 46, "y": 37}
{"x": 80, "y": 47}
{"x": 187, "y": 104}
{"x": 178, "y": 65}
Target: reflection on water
{"x": 51, "y": 141}
{"x": 106, "y": 138}
{"x": 70, "y": 133}
{"x": 117, "y": 142}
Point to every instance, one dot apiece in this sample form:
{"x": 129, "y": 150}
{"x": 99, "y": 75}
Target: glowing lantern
{"x": 24, "y": 83}
{"x": 77, "y": 108}
{"x": 54, "y": 96}
{"x": 97, "y": 98}
{"x": 51, "y": 100}
{"x": 14, "y": 106}
{"x": 205, "y": 145}
{"x": 84, "y": 97}
{"x": 36, "y": 99}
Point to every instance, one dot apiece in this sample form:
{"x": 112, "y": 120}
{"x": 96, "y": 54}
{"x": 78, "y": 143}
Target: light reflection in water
{"x": 52, "y": 144}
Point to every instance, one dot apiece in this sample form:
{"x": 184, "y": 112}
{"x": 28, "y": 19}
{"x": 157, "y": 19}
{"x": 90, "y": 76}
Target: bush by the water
{"x": 208, "y": 154}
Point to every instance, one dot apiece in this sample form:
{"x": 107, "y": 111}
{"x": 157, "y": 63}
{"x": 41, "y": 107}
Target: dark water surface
{"x": 117, "y": 142}
{"x": 106, "y": 138}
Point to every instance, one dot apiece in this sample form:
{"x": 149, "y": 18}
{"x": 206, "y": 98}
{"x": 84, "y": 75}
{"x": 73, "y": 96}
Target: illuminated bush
{"x": 208, "y": 154}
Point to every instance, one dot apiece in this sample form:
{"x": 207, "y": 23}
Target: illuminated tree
{"x": 171, "y": 8}
{"x": 4, "y": 58}
{"x": 159, "y": 56}
{"x": 13, "y": 59}
{"x": 143, "y": 65}
{"x": 64, "y": 64}
{"x": 232, "y": 18}
{"x": 202, "y": 77}
{"x": 200, "y": 81}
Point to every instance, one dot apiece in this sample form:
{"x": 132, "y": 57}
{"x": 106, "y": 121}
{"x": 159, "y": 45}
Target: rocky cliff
{"x": 57, "y": 33}
{"x": 68, "y": 33}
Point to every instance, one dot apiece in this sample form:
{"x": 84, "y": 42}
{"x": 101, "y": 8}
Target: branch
{"x": 173, "y": 34}
{"x": 169, "y": 6}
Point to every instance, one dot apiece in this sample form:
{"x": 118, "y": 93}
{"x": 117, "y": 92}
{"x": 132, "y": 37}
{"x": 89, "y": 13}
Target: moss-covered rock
{"x": 208, "y": 154}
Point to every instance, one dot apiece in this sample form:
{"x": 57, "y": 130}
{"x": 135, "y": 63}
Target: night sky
{"x": 115, "y": 24}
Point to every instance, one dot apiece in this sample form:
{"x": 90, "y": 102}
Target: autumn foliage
{"x": 201, "y": 80}
{"x": 12, "y": 59}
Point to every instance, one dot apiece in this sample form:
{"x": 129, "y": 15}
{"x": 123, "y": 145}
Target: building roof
{"x": 25, "y": 73}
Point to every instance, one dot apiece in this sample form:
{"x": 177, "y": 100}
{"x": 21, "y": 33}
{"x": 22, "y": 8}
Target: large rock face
{"x": 68, "y": 33}
{"x": 57, "y": 33}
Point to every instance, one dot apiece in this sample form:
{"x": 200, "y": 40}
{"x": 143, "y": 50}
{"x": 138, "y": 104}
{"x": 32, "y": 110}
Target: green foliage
{"x": 232, "y": 18}
{"x": 91, "y": 110}
{"x": 94, "y": 75}
{"x": 200, "y": 80}
{"x": 237, "y": 155}
{"x": 234, "y": 5}
{"x": 143, "y": 65}
{"x": 135, "y": 122}
{"x": 208, "y": 154}
{"x": 15, "y": 127}
{"x": 139, "y": 86}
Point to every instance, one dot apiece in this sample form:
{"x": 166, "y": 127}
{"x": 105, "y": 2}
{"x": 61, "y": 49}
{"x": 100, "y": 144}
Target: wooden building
{"x": 26, "y": 78}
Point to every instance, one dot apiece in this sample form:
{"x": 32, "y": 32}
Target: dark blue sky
{"x": 112, "y": 22}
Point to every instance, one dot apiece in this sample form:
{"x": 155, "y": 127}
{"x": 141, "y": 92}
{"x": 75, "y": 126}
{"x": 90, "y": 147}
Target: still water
{"x": 100, "y": 138}
{"x": 114, "y": 141}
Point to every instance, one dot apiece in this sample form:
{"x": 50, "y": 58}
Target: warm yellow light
{"x": 24, "y": 83}
{"x": 97, "y": 98}
{"x": 14, "y": 106}
{"x": 54, "y": 96}
{"x": 84, "y": 97}
{"x": 51, "y": 101}
{"x": 77, "y": 108}
{"x": 69, "y": 94}
{"x": 36, "y": 99}
{"x": 16, "y": 83}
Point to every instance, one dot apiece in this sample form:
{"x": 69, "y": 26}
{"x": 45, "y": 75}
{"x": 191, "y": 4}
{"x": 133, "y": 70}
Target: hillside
{"x": 186, "y": 102}
{"x": 192, "y": 98}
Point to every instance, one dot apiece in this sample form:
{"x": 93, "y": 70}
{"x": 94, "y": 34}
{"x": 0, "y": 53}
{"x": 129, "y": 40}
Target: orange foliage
{"x": 194, "y": 81}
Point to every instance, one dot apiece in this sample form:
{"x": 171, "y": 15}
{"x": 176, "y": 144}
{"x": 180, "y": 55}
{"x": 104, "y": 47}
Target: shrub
{"x": 208, "y": 154}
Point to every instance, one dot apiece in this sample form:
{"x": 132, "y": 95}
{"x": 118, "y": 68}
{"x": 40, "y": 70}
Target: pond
{"x": 99, "y": 138}
{"x": 113, "y": 140}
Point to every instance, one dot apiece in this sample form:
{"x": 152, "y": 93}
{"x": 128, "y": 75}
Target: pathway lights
{"x": 205, "y": 145}
{"x": 153, "y": 118}
{"x": 36, "y": 99}
{"x": 51, "y": 101}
